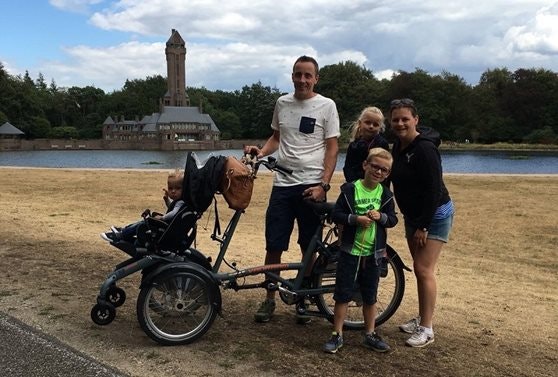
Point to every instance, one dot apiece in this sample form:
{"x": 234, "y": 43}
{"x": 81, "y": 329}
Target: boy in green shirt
{"x": 364, "y": 209}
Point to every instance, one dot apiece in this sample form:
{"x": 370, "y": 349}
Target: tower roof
{"x": 175, "y": 39}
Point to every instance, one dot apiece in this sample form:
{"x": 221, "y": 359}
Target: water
{"x": 453, "y": 162}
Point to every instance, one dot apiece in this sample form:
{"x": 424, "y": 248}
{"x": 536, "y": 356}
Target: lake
{"x": 488, "y": 162}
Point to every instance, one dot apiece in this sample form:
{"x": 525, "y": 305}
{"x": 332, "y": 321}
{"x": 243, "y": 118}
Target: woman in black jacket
{"x": 427, "y": 209}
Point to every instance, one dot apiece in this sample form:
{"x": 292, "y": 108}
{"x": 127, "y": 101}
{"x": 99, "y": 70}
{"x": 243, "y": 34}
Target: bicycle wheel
{"x": 176, "y": 308}
{"x": 390, "y": 293}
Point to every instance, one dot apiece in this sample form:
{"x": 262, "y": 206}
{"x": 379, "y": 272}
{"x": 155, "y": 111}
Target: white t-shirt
{"x": 304, "y": 125}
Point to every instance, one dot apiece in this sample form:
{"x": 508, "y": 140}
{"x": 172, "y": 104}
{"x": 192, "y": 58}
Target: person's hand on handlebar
{"x": 315, "y": 193}
{"x": 253, "y": 150}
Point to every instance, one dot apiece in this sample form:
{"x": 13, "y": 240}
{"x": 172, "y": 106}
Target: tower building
{"x": 175, "y": 52}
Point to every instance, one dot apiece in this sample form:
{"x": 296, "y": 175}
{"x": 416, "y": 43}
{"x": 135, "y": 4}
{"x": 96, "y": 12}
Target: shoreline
{"x": 267, "y": 172}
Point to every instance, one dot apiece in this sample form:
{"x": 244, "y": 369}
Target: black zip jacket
{"x": 344, "y": 214}
{"x": 357, "y": 152}
{"x": 416, "y": 175}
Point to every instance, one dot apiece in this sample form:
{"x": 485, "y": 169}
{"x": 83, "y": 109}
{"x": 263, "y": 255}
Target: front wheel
{"x": 390, "y": 293}
{"x": 176, "y": 308}
{"x": 103, "y": 314}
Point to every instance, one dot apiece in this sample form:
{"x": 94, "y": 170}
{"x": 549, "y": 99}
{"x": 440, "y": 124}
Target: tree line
{"x": 505, "y": 106}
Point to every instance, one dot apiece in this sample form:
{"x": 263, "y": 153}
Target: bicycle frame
{"x": 274, "y": 281}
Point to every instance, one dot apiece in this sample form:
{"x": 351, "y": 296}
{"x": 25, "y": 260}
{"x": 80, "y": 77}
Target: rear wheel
{"x": 176, "y": 308}
{"x": 390, "y": 293}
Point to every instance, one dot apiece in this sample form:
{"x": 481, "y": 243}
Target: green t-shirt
{"x": 365, "y": 200}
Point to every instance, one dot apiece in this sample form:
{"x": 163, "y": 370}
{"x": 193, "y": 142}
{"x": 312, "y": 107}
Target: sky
{"x": 233, "y": 43}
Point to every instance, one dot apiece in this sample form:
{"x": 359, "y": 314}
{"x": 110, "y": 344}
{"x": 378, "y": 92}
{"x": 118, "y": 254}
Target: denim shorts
{"x": 366, "y": 280}
{"x": 286, "y": 204}
{"x": 439, "y": 229}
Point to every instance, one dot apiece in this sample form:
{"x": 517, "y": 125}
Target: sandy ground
{"x": 497, "y": 302}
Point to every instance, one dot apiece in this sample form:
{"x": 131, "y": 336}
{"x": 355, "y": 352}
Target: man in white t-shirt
{"x": 305, "y": 130}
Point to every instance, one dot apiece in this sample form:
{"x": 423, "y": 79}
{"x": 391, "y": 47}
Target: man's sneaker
{"x": 334, "y": 343}
{"x": 411, "y": 326}
{"x": 265, "y": 311}
{"x": 420, "y": 338}
{"x": 374, "y": 342}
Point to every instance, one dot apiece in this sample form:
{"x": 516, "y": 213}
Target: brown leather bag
{"x": 237, "y": 184}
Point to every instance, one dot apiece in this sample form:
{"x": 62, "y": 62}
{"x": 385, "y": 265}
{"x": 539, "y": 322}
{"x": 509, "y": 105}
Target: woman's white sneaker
{"x": 420, "y": 338}
{"x": 410, "y": 326}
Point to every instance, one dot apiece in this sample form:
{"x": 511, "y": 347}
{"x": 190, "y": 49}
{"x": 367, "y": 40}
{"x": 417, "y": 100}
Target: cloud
{"x": 539, "y": 36}
{"x": 79, "y": 6}
{"x": 235, "y": 43}
{"x": 108, "y": 68}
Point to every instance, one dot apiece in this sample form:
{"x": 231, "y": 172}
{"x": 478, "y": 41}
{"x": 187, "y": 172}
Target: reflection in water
{"x": 453, "y": 162}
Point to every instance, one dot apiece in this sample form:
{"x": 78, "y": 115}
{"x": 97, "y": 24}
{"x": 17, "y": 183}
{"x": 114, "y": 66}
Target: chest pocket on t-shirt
{"x": 307, "y": 125}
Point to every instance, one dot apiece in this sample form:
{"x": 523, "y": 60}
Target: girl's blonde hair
{"x": 355, "y": 127}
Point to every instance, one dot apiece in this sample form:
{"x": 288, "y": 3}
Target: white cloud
{"x": 539, "y": 36}
{"x": 235, "y": 43}
{"x": 80, "y": 6}
{"x": 110, "y": 67}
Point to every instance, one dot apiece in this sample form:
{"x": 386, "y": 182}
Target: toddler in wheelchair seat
{"x": 134, "y": 232}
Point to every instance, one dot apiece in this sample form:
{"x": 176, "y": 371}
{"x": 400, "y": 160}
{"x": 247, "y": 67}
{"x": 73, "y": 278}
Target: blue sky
{"x": 235, "y": 43}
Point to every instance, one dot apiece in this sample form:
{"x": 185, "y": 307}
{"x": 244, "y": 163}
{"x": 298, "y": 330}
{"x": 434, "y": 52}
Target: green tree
{"x": 63, "y": 133}
{"x": 254, "y": 108}
{"x": 351, "y": 86}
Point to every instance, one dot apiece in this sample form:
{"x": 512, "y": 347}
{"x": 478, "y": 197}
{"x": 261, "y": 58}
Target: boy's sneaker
{"x": 420, "y": 338}
{"x": 265, "y": 312}
{"x": 410, "y": 326}
{"x": 374, "y": 342}
{"x": 334, "y": 343}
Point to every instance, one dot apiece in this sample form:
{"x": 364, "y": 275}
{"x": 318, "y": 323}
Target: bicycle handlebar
{"x": 270, "y": 163}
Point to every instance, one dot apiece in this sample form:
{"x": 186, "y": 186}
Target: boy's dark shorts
{"x": 285, "y": 205}
{"x": 366, "y": 282}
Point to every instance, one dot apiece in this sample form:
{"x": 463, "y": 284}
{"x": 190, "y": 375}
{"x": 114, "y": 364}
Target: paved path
{"x": 26, "y": 352}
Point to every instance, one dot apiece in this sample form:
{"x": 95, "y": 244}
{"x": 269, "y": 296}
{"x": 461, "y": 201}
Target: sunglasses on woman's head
{"x": 402, "y": 102}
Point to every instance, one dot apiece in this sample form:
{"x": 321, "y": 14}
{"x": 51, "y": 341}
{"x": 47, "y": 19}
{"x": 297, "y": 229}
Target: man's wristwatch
{"x": 325, "y": 186}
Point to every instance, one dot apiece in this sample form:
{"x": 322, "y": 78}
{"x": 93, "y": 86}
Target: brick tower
{"x": 176, "y": 71}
